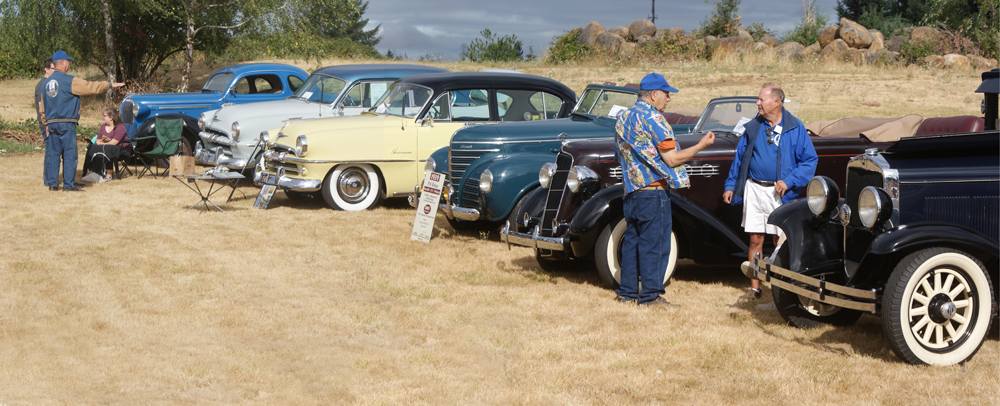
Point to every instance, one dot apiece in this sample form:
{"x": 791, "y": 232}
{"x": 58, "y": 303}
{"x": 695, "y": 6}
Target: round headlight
{"x": 873, "y": 206}
{"x": 201, "y": 121}
{"x": 580, "y": 177}
{"x": 429, "y": 167}
{"x": 265, "y": 138}
{"x": 301, "y": 146}
{"x": 236, "y": 130}
{"x": 545, "y": 174}
{"x": 822, "y": 195}
{"x": 486, "y": 181}
{"x": 135, "y": 109}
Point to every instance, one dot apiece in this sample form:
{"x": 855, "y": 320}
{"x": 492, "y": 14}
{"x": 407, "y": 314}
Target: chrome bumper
{"x": 532, "y": 240}
{"x": 812, "y": 288}
{"x": 279, "y": 179}
{"x": 217, "y": 157}
{"x": 449, "y": 210}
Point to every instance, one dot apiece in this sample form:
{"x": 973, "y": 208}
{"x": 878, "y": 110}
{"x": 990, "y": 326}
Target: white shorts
{"x": 758, "y": 203}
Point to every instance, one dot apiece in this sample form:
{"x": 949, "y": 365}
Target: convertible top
{"x": 874, "y": 129}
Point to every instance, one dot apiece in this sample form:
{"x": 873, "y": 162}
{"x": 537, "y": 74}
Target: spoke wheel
{"x": 352, "y": 188}
{"x": 937, "y": 307}
{"x": 608, "y": 253}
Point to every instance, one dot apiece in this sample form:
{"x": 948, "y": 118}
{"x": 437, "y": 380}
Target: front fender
{"x": 812, "y": 243}
{"x": 702, "y": 236}
{"x": 512, "y": 178}
{"x": 440, "y": 158}
{"x": 592, "y": 216}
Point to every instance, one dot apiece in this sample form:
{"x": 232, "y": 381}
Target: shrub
{"x": 493, "y": 48}
{"x": 807, "y": 31}
{"x": 758, "y": 31}
{"x": 293, "y": 45}
{"x": 886, "y": 24}
{"x": 916, "y": 51}
{"x": 674, "y": 46}
{"x": 566, "y": 48}
{"x": 724, "y": 21}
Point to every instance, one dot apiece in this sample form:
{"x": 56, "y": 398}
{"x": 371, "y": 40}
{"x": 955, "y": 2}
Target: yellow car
{"x": 358, "y": 161}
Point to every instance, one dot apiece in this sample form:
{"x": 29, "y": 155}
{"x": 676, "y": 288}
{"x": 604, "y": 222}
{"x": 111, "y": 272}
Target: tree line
{"x": 131, "y": 39}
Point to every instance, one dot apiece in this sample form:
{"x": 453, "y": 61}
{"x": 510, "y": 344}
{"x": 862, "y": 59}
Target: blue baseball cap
{"x": 654, "y": 81}
{"x": 60, "y": 54}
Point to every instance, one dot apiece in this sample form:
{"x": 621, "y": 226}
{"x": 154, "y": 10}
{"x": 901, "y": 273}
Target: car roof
{"x": 244, "y": 67}
{"x": 488, "y": 80}
{"x": 376, "y": 71}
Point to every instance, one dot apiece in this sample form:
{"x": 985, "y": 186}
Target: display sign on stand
{"x": 423, "y": 224}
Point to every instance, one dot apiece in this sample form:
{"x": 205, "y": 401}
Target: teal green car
{"x": 491, "y": 168}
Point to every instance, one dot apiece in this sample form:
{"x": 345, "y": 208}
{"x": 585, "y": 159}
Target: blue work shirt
{"x": 764, "y": 162}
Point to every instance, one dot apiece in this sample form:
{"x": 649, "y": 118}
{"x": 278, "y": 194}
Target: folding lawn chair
{"x": 167, "y": 136}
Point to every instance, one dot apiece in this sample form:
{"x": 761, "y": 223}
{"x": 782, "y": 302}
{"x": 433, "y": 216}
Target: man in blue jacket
{"x": 61, "y": 105}
{"x": 774, "y": 162}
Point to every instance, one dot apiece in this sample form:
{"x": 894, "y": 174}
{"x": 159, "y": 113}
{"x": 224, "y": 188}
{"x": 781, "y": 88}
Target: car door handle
{"x": 554, "y": 150}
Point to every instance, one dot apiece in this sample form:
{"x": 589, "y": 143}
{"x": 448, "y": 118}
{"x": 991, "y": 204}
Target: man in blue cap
{"x": 61, "y": 103}
{"x": 652, "y": 162}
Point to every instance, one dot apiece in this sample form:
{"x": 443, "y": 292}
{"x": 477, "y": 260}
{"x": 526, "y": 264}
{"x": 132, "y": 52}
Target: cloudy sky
{"x": 438, "y": 28}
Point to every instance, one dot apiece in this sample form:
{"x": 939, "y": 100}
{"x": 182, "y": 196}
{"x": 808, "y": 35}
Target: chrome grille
{"x": 554, "y": 197}
{"x": 705, "y": 170}
{"x": 857, "y": 180}
{"x": 126, "y": 112}
{"x": 458, "y": 162}
{"x": 470, "y": 194}
{"x": 615, "y": 172}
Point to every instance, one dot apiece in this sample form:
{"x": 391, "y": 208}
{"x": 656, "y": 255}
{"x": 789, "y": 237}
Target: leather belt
{"x": 662, "y": 187}
{"x": 763, "y": 183}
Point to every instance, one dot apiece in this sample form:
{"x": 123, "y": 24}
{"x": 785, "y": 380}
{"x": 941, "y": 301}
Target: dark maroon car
{"x": 578, "y": 212}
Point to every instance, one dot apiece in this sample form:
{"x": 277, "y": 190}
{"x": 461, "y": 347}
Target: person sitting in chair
{"x": 109, "y": 146}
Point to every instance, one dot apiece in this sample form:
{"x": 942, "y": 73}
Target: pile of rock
{"x": 848, "y": 41}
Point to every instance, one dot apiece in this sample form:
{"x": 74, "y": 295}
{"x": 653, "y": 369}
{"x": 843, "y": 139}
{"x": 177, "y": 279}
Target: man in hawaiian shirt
{"x": 652, "y": 162}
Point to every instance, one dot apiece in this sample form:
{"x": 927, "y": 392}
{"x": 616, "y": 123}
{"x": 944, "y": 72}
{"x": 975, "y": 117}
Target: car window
{"x": 470, "y": 105}
{"x": 218, "y": 82}
{"x": 608, "y": 100}
{"x": 242, "y": 86}
{"x": 321, "y": 88}
{"x": 364, "y": 94}
{"x": 294, "y": 83}
{"x": 403, "y": 100}
{"x": 441, "y": 109}
{"x": 526, "y": 105}
{"x": 265, "y": 84}
{"x": 725, "y": 116}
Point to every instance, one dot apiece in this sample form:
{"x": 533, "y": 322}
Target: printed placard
{"x": 738, "y": 130}
{"x": 264, "y": 197}
{"x": 430, "y": 195}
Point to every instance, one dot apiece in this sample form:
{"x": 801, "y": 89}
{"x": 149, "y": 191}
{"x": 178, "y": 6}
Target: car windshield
{"x": 725, "y": 116}
{"x": 321, "y": 88}
{"x": 404, "y": 100}
{"x": 604, "y": 102}
{"x": 218, "y": 82}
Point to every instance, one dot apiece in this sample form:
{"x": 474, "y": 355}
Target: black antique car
{"x": 914, "y": 238}
{"x": 578, "y": 212}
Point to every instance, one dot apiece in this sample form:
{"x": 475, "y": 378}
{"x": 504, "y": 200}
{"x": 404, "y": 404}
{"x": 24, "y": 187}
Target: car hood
{"x": 272, "y": 112}
{"x": 337, "y": 138}
{"x": 544, "y": 130}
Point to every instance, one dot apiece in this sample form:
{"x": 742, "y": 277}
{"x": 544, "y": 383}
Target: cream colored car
{"x": 356, "y": 162}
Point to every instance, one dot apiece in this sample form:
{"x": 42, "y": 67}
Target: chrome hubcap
{"x": 353, "y": 185}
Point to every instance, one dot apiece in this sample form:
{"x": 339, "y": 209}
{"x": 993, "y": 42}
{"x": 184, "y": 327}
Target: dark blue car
{"x": 238, "y": 84}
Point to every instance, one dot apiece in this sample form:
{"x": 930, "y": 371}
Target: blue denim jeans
{"x": 645, "y": 245}
{"x": 60, "y": 145}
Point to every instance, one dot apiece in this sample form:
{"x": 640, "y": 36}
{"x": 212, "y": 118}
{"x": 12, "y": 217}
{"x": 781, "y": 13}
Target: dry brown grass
{"x": 826, "y": 90}
{"x": 118, "y": 296}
